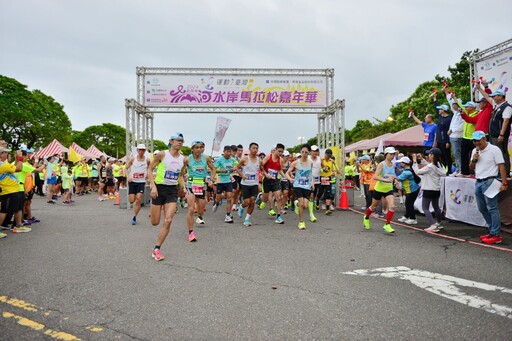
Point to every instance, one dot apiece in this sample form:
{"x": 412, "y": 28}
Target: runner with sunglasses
{"x": 169, "y": 166}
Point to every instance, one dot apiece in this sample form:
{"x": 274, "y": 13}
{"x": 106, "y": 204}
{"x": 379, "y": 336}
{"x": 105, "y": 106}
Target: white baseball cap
{"x": 141, "y": 146}
{"x": 390, "y": 150}
{"x": 314, "y": 147}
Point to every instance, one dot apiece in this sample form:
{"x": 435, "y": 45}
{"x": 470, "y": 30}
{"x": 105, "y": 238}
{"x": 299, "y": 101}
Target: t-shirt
{"x": 27, "y": 169}
{"x": 429, "y": 133}
{"x": 8, "y": 181}
{"x": 222, "y": 164}
{"x": 487, "y": 164}
{"x": 66, "y": 180}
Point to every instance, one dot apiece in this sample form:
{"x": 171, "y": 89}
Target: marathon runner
{"x": 225, "y": 166}
{"x": 316, "y": 162}
{"x": 137, "y": 171}
{"x": 164, "y": 188}
{"x": 302, "y": 182}
{"x": 248, "y": 169}
{"x": 271, "y": 166}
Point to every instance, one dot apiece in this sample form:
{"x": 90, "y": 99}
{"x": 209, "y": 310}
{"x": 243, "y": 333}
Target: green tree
{"x": 30, "y": 117}
{"x": 159, "y": 145}
{"x": 109, "y": 138}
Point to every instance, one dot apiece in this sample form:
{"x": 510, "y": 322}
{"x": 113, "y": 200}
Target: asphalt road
{"x": 85, "y": 272}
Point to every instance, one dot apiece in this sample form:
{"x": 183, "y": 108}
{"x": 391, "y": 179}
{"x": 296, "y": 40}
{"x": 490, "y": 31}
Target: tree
{"x": 109, "y": 138}
{"x": 30, "y": 117}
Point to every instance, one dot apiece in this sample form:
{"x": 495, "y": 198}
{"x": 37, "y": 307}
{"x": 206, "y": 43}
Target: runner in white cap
{"x": 137, "y": 170}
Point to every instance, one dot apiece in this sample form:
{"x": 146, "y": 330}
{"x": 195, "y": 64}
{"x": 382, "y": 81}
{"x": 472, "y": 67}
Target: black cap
{"x": 328, "y": 151}
{"x": 435, "y": 151}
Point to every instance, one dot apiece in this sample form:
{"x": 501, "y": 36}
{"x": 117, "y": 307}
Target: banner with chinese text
{"x": 235, "y": 91}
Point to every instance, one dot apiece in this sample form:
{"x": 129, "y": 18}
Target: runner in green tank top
{"x": 197, "y": 165}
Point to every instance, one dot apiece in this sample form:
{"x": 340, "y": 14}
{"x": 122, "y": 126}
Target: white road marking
{"x": 442, "y": 285}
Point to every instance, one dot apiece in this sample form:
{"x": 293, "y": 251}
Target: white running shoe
{"x": 228, "y": 219}
{"x": 403, "y": 219}
{"x": 432, "y": 228}
{"x": 199, "y": 221}
{"x": 411, "y": 222}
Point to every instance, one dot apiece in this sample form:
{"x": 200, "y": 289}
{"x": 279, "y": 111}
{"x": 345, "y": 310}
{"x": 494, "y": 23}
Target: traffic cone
{"x": 118, "y": 199}
{"x": 343, "y": 199}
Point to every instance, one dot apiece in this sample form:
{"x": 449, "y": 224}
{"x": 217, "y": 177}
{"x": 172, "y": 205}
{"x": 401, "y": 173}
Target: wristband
{"x": 504, "y": 183}
{"x": 19, "y": 158}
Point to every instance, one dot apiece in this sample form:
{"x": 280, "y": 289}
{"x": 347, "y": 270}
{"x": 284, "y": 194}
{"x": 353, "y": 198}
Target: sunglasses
{"x": 179, "y": 139}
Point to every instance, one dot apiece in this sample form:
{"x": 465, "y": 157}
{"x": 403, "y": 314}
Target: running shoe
{"x": 26, "y": 223}
{"x": 192, "y": 237}
{"x": 366, "y": 223}
{"x": 234, "y": 208}
{"x": 492, "y": 240}
{"x": 247, "y": 222}
{"x": 228, "y": 219}
{"x": 65, "y": 202}
{"x": 262, "y": 205}
{"x": 240, "y": 211}
{"x": 296, "y": 203}
{"x": 485, "y": 236}
{"x": 302, "y": 225}
{"x": 279, "y": 220}
{"x": 272, "y": 212}
{"x": 312, "y": 219}
{"x": 34, "y": 220}
{"x": 21, "y": 229}
{"x": 403, "y": 219}
{"x": 387, "y": 227}
{"x": 317, "y": 207}
{"x": 157, "y": 255}
{"x": 199, "y": 221}
{"x": 101, "y": 199}
{"x": 328, "y": 212}
{"x": 134, "y": 221}
{"x": 258, "y": 199}
{"x": 2, "y": 235}
{"x": 432, "y": 228}
{"x": 215, "y": 207}
{"x": 51, "y": 202}
{"x": 331, "y": 208}
{"x": 411, "y": 222}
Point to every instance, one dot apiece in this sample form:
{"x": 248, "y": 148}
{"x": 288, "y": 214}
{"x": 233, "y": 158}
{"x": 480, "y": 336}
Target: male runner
{"x": 326, "y": 173}
{"x": 238, "y": 152}
{"x": 102, "y": 178}
{"x": 164, "y": 188}
{"x": 302, "y": 182}
{"x": 316, "y": 162}
{"x": 137, "y": 170}
{"x": 248, "y": 170}
{"x": 271, "y": 166}
{"x": 197, "y": 165}
{"x": 225, "y": 165}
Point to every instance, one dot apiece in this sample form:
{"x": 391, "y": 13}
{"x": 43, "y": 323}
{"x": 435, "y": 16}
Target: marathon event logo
{"x": 458, "y": 198}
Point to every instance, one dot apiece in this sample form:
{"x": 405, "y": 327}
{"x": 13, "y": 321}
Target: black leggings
{"x": 368, "y": 195}
{"x": 428, "y": 198}
{"x": 410, "y": 198}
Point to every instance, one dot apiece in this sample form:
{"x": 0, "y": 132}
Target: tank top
{"x": 168, "y": 170}
{"x": 273, "y": 167}
{"x": 250, "y": 170}
{"x": 317, "y": 164}
{"x": 286, "y": 167}
{"x": 139, "y": 170}
{"x": 303, "y": 175}
{"x": 385, "y": 187}
{"x": 197, "y": 170}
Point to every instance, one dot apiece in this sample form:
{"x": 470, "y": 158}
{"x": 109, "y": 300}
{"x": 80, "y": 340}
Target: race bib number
{"x": 138, "y": 175}
{"x": 425, "y": 137}
{"x": 325, "y": 181}
{"x": 304, "y": 181}
{"x": 170, "y": 175}
{"x": 272, "y": 173}
{"x": 316, "y": 179}
{"x": 198, "y": 189}
{"x": 250, "y": 176}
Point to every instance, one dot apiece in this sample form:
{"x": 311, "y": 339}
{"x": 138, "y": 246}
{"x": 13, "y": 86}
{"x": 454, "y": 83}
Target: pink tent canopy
{"x": 374, "y": 143}
{"x": 55, "y": 147}
{"x": 410, "y": 137}
{"x": 95, "y": 151}
{"x": 81, "y": 151}
{"x": 354, "y": 146}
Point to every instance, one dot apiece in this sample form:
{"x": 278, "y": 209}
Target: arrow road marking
{"x": 443, "y": 285}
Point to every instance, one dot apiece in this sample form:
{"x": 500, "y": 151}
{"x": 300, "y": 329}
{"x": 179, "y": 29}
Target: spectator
{"x": 429, "y": 130}
{"x": 455, "y": 132}
{"x": 499, "y": 126}
{"x": 467, "y": 133}
{"x": 10, "y": 196}
{"x": 431, "y": 185}
{"x": 442, "y": 138}
{"x": 486, "y": 161}
{"x": 411, "y": 189}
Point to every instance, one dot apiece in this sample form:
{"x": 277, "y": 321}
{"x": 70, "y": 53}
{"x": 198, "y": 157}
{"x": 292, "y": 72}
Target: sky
{"x": 84, "y": 53}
